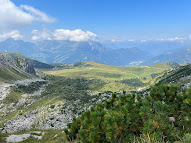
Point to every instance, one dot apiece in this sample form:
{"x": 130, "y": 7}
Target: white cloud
{"x": 131, "y": 40}
{"x": 12, "y": 16}
{"x": 15, "y": 34}
{"x": 143, "y": 40}
{"x": 41, "y": 35}
{"x": 189, "y": 37}
{"x": 37, "y": 14}
{"x": 113, "y": 40}
{"x": 35, "y": 38}
{"x": 34, "y": 32}
{"x": 74, "y": 35}
{"x": 63, "y": 34}
{"x": 173, "y": 39}
{"x": 120, "y": 41}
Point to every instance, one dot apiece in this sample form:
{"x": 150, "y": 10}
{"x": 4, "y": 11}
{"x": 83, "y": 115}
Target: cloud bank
{"x": 74, "y": 35}
{"x": 64, "y": 34}
{"x": 12, "y": 16}
{"x": 15, "y": 34}
{"x": 41, "y": 35}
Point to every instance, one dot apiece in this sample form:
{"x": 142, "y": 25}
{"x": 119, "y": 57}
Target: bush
{"x": 122, "y": 119}
{"x": 136, "y": 82}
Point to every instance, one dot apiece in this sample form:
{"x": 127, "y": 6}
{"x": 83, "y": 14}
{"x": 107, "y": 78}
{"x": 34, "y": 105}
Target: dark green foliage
{"x": 144, "y": 78}
{"x": 175, "y": 75}
{"x": 34, "y": 86}
{"x": 70, "y": 88}
{"x": 173, "y": 65}
{"x": 164, "y": 114}
{"x": 40, "y": 65}
{"x": 67, "y": 88}
{"x": 82, "y": 64}
{"x": 136, "y": 82}
{"x": 154, "y": 75}
{"x": 108, "y": 75}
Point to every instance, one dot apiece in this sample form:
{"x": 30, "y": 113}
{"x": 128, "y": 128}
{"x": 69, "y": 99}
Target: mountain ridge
{"x": 53, "y": 51}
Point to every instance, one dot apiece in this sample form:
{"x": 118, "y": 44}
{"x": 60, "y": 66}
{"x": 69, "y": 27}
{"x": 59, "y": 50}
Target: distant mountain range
{"x": 53, "y": 51}
{"x": 179, "y": 55}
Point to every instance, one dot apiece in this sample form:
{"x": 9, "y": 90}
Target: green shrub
{"x": 130, "y": 118}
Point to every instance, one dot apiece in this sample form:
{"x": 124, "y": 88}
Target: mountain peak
{"x": 9, "y": 39}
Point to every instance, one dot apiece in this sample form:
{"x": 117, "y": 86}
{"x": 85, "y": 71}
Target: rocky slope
{"x": 28, "y": 101}
{"x": 40, "y": 108}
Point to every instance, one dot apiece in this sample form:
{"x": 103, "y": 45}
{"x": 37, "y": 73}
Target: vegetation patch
{"x": 162, "y": 116}
{"x": 108, "y": 75}
{"x": 153, "y": 75}
{"x": 33, "y": 86}
{"x": 136, "y": 82}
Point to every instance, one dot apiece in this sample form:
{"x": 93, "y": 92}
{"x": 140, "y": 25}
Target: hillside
{"x": 42, "y": 107}
{"x": 29, "y": 102}
{"x": 114, "y": 78}
{"x": 35, "y": 63}
{"x": 181, "y": 76}
{"x": 15, "y": 67}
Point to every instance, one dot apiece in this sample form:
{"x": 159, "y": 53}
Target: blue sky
{"x": 113, "y": 19}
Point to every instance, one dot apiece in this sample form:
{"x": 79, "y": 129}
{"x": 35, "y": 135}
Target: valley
{"x": 115, "y": 79}
{"x": 39, "y": 99}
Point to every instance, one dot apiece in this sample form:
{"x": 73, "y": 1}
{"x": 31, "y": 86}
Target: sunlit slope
{"x": 116, "y": 78}
{"x": 14, "y": 66}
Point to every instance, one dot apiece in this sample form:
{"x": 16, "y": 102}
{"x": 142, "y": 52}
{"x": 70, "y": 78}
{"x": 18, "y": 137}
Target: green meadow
{"x": 115, "y": 78}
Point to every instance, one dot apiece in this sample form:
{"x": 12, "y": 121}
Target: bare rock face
{"x": 29, "y": 68}
{"x": 26, "y": 66}
{"x": 6, "y": 60}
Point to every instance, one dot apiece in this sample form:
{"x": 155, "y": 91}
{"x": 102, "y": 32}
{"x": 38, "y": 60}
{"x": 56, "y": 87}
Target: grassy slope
{"x": 35, "y": 63}
{"x": 112, "y": 74}
{"x": 7, "y": 75}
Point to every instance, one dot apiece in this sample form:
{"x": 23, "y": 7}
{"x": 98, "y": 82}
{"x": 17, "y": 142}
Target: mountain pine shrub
{"x": 164, "y": 115}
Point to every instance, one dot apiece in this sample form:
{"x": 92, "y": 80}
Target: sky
{"x": 101, "y": 20}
